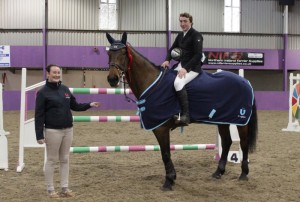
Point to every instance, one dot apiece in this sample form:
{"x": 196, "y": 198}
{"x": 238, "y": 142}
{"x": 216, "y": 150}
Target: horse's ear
{"x": 109, "y": 38}
{"x": 124, "y": 38}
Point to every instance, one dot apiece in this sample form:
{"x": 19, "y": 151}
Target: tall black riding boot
{"x": 184, "y": 104}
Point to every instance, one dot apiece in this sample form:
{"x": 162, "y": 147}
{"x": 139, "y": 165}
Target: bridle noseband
{"x": 118, "y": 67}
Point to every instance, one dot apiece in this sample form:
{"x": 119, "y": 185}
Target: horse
{"x": 143, "y": 76}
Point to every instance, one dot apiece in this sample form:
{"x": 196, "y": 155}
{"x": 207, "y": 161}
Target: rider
{"x": 190, "y": 42}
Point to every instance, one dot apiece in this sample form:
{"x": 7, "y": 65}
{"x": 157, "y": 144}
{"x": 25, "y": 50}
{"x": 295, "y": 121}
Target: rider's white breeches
{"x": 179, "y": 83}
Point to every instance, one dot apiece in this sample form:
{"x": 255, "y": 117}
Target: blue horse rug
{"x": 214, "y": 98}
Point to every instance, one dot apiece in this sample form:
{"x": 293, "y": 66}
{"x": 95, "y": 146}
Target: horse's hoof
{"x": 243, "y": 178}
{"x": 168, "y": 185}
{"x": 163, "y": 188}
{"x": 217, "y": 175}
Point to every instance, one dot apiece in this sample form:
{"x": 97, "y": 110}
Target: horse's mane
{"x": 136, "y": 52}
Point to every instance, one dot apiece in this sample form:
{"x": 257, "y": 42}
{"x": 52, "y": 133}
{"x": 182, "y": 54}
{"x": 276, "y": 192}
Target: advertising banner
{"x": 4, "y": 56}
{"x": 234, "y": 58}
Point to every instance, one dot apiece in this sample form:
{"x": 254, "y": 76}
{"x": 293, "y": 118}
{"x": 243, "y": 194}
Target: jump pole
{"x": 110, "y": 91}
{"x": 106, "y": 118}
{"x": 136, "y": 148}
{"x": 293, "y": 124}
{"x": 3, "y": 138}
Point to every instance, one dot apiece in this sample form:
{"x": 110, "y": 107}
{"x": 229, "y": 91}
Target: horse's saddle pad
{"x": 217, "y": 98}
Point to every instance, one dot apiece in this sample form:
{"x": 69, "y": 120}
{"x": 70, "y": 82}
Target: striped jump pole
{"x": 100, "y": 91}
{"x": 106, "y": 118}
{"x": 135, "y": 148}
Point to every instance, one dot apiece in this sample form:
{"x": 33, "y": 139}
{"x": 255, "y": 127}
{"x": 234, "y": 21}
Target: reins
{"x": 129, "y": 62}
{"x": 129, "y": 65}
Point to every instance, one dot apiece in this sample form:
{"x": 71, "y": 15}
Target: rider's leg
{"x": 179, "y": 84}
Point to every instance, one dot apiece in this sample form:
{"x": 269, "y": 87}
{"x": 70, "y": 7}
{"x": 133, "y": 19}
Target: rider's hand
{"x": 181, "y": 73}
{"x": 165, "y": 64}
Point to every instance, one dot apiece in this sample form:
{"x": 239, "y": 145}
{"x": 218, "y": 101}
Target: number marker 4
{"x": 234, "y": 156}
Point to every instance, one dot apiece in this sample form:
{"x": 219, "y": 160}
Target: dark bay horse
{"x": 140, "y": 74}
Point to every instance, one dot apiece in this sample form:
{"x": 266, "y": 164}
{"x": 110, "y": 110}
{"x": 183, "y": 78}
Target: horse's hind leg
{"x": 162, "y": 135}
{"x": 226, "y": 143}
{"x": 243, "y": 132}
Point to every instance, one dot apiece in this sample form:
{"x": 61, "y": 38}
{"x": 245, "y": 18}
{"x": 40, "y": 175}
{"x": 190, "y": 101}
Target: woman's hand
{"x": 95, "y": 104}
{"x": 41, "y": 141}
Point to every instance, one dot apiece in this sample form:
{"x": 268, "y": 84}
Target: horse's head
{"x": 118, "y": 59}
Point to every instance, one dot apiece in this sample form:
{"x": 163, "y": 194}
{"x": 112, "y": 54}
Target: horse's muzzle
{"x": 113, "y": 81}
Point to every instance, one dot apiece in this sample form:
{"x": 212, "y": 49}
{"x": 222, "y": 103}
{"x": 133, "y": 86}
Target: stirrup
{"x": 179, "y": 122}
{"x": 186, "y": 120}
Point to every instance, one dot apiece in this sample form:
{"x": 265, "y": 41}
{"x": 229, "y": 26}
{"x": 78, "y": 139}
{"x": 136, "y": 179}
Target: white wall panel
{"x": 261, "y": 16}
{"x": 207, "y": 14}
{"x": 21, "y": 14}
{"x": 258, "y": 16}
{"x": 99, "y": 39}
{"x": 147, "y": 40}
{"x": 148, "y": 15}
{"x": 294, "y": 42}
{"x": 240, "y": 41}
{"x": 71, "y": 38}
{"x": 247, "y": 41}
{"x": 21, "y": 38}
{"x": 294, "y": 18}
{"x": 73, "y": 14}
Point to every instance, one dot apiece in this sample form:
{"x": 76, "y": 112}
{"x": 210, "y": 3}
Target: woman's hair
{"x": 48, "y": 68}
{"x": 187, "y": 15}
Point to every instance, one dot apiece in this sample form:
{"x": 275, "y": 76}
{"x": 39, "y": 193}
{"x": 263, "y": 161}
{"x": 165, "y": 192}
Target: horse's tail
{"x": 252, "y": 129}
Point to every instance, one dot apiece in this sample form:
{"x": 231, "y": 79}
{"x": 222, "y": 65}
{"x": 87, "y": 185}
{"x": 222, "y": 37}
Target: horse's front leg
{"x": 162, "y": 135}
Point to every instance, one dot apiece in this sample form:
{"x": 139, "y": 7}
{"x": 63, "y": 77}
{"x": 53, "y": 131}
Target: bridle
{"x": 123, "y": 68}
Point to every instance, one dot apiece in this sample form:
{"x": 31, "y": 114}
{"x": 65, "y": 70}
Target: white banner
{"x": 4, "y": 56}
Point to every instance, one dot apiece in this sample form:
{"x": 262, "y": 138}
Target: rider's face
{"x": 185, "y": 23}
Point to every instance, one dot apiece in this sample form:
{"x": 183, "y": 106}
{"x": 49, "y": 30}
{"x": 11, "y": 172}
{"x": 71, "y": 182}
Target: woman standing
{"x": 54, "y": 127}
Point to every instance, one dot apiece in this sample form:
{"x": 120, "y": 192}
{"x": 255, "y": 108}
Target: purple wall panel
{"x": 155, "y": 55}
{"x": 293, "y": 60}
{"x": 11, "y": 100}
{"x": 265, "y": 100}
{"x": 73, "y": 56}
{"x": 77, "y": 56}
{"x": 85, "y": 56}
{"x": 26, "y": 56}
